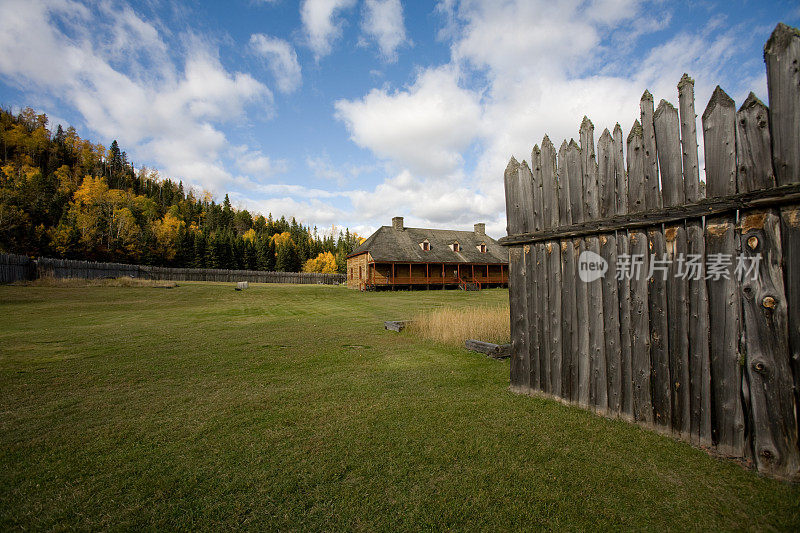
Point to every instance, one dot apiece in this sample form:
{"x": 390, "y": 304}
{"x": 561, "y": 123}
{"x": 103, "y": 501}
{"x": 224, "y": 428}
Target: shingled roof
{"x": 399, "y": 244}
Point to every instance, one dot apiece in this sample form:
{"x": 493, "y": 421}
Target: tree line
{"x": 64, "y": 196}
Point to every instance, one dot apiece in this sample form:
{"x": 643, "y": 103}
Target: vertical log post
{"x": 581, "y": 329}
{"x": 608, "y": 251}
{"x": 782, "y": 57}
{"x": 569, "y": 317}
{"x": 553, "y": 257}
{"x": 699, "y": 363}
{"x": 623, "y": 283}
{"x": 657, "y": 283}
{"x": 667, "y": 128}
{"x": 533, "y": 293}
{"x": 579, "y": 345}
{"x": 719, "y": 139}
{"x": 517, "y": 204}
{"x": 598, "y": 392}
{"x": 640, "y": 316}
{"x": 540, "y": 277}
{"x": 764, "y": 309}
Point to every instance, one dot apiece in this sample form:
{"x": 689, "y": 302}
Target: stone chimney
{"x": 397, "y": 223}
{"x": 480, "y": 229}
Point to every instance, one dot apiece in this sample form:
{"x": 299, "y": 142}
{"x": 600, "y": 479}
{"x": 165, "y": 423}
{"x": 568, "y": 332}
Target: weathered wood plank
{"x": 667, "y": 127}
{"x": 782, "y": 57}
{"x": 640, "y": 319}
{"x": 766, "y": 349}
{"x": 623, "y": 283}
{"x": 765, "y": 310}
{"x": 530, "y": 292}
{"x": 581, "y": 329}
{"x": 659, "y": 328}
{"x": 497, "y": 351}
{"x": 569, "y": 317}
{"x": 608, "y": 251}
{"x": 699, "y": 362}
{"x": 515, "y": 205}
{"x": 553, "y": 255}
{"x": 724, "y": 306}
{"x": 538, "y": 251}
{"x": 758, "y": 199}
{"x": 598, "y": 392}
{"x": 657, "y": 282}
{"x": 652, "y": 195}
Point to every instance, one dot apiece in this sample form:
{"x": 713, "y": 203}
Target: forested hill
{"x": 64, "y": 196}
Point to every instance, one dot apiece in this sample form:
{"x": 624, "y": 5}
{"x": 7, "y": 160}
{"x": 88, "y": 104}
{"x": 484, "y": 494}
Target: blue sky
{"x": 349, "y": 112}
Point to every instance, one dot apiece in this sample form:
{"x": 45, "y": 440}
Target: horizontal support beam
{"x": 763, "y": 199}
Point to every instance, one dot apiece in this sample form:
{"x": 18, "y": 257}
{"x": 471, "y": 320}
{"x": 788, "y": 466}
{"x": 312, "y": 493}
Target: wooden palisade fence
{"x": 694, "y": 329}
{"x": 19, "y": 267}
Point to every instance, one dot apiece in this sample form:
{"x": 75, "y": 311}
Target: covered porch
{"x": 435, "y": 275}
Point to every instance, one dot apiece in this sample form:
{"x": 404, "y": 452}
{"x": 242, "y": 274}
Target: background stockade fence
{"x": 19, "y": 267}
{"x": 711, "y": 356}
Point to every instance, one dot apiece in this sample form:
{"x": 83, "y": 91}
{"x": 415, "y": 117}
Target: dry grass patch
{"x": 449, "y": 325}
{"x": 50, "y": 281}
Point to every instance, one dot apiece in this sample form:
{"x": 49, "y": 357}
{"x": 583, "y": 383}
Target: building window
{"x": 351, "y": 272}
{"x": 482, "y": 248}
{"x": 360, "y": 272}
{"x": 426, "y": 246}
{"x": 455, "y": 247}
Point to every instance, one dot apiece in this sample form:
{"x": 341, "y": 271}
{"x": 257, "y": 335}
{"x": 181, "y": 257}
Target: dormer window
{"x": 482, "y": 248}
{"x": 425, "y": 245}
{"x": 455, "y": 247}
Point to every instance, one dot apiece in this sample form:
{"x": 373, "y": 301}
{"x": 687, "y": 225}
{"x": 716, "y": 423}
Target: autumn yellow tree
{"x": 324, "y": 262}
{"x": 282, "y": 238}
{"x": 166, "y": 233}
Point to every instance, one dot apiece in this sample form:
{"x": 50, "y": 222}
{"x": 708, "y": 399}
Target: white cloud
{"x": 321, "y": 25}
{"x": 312, "y": 212}
{"x": 423, "y": 128}
{"x": 323, "y": 168}
{"x": 256, "y": 164}
{"x": 521, "y": 69}
{"x": 165, "y": 113}
{"x": 383, "y": 22}
{"x": 281, "y": 60}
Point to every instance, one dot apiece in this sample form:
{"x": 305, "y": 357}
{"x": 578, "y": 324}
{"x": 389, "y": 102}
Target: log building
{"x": 396, "y": 256}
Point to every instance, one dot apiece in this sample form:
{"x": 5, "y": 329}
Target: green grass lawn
{"x": 290, "y": 407}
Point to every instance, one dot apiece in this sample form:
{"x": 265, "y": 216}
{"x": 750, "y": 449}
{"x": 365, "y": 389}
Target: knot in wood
{"x": 767, "y": 454}
{"x": 752, "y": 242}
{"x": 760, "y": 367}
{"x": 768, "y": 302}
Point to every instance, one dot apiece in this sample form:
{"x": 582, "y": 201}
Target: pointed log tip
{"x": 605, "y": 135}
{"x": 573, "y": 144}
{"x": 563, "y": 145}
{"x": 780, "y": 39}
{"x": 586, "y": 124}
{"x": 536, "y": 152}
{"x": 547, "y": 143}
{"x": 512, "y": 164}
{"x": 617, "y": 128}
{"x": 646, "y": 96}
{"x": 685, "y": 80}
{"x": 718, "y": 98}
{"x": 752, "y": 101}
{"x": 524, "y": 166}
{"x": 663, "y": 106}
{"x": 636, "y": 131}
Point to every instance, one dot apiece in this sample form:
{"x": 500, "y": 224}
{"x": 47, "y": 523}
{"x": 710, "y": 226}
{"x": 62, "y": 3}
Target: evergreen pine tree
{"x": 211, "y": 258}
{"x": 269, "y": 263}
{"x": 199, "y": 258}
